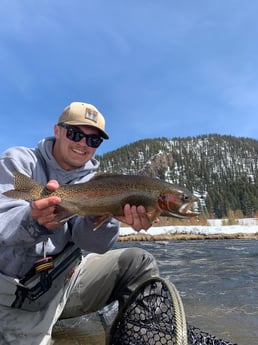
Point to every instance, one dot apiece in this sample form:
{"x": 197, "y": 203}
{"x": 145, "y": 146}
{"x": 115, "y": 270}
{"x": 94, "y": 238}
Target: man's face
{"x": 70, "y": 154}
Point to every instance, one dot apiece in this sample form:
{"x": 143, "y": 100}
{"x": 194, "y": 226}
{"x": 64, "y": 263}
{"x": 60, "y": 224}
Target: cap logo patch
{"x": 91, "y": 115}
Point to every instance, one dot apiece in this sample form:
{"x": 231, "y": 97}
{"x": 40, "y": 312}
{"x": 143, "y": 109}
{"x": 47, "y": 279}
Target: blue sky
{"x": 153, "y": 68}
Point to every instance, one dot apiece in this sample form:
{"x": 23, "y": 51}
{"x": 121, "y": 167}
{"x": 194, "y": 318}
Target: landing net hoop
{"x": 152, "y": 315}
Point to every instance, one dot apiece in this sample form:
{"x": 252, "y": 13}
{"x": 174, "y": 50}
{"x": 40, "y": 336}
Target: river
{"x": 217, "y": 281}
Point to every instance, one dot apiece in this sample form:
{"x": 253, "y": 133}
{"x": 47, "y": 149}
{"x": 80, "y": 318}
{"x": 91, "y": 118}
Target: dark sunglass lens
{"x": 78, "y": 136}
{"x": 70, "y": 133}
{"x": 73, "y": 135}
{"x": 93, "y": 141}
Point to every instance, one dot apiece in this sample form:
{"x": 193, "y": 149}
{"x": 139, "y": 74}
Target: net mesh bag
{"x": 198, "y": 337}
{"x": 154, "y": 315}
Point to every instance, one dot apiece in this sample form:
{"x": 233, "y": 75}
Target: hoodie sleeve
{"x": 16, "y": 226}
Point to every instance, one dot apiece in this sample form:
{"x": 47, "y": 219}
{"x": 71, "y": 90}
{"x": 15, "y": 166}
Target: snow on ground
{"x": 245, "y": 227}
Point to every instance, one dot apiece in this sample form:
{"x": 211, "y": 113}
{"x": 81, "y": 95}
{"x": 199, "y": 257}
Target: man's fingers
{"x": 45, "y": 203}
{"x": 43, "y": 211}
{"x": 129, "y": 218}
{"x": 52, "y": 185}
{"x": 136, "y": 217}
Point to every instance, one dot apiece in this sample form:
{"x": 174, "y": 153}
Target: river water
{"x": 217, "y": 281}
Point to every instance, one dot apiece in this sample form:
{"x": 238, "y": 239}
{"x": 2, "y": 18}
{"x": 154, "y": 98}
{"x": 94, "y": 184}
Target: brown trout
{"x": 106, "y": 194}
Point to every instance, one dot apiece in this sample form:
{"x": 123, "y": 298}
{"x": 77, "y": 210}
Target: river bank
{"x": 184, "y": 237}
{"x": 194, "y": 232}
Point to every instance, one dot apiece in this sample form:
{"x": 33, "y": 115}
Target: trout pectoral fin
{"x": 153, "y": 214}
{"x": 62, "y": 214}
{"x": 100, "y": 220}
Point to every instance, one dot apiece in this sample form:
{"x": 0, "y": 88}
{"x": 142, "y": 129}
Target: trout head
{"x": 177, "y": 204}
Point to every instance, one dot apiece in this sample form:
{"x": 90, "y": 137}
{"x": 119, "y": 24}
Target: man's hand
{"x": 136, "y": 217}
{"x": 43, "y": 210}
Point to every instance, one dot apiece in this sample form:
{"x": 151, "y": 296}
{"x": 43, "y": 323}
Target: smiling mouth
{"x": 80, "y": 152}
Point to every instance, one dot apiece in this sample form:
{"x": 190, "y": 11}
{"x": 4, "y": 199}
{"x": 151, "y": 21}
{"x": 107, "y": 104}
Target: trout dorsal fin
{"x": 23, "y": 182}
{"x": 24, "y": 188}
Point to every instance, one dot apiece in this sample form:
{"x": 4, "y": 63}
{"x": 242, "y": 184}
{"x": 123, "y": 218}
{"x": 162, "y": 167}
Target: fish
{"x": 105, "y": 195}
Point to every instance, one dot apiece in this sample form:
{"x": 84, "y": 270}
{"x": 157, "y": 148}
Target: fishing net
{"x": 154, "y": 315}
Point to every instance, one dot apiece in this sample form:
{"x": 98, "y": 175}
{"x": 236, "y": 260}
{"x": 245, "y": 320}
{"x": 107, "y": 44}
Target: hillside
{"x": 221, "y": 170}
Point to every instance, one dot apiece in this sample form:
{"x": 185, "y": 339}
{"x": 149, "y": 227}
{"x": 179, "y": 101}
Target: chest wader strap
{"x": 37, "y": 290}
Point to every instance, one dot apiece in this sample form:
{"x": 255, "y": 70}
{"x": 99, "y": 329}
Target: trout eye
{"x": 185, "y": 197}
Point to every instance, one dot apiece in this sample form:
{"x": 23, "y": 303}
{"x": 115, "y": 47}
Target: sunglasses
{"x": 75, "y": 134}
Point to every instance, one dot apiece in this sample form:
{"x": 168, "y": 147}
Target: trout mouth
{"x": 182, "y": 212}
{"x": 178, "y": 207}
{"x": 185, "y": 212}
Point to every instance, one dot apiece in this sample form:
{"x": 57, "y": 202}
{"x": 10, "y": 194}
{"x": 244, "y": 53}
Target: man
{"x": 33, "y": 243}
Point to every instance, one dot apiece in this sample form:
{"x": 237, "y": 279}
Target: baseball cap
{"x": 83, "y": 114}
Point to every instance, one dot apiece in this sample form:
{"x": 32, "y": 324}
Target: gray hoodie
{"x": 21, "y": 237}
